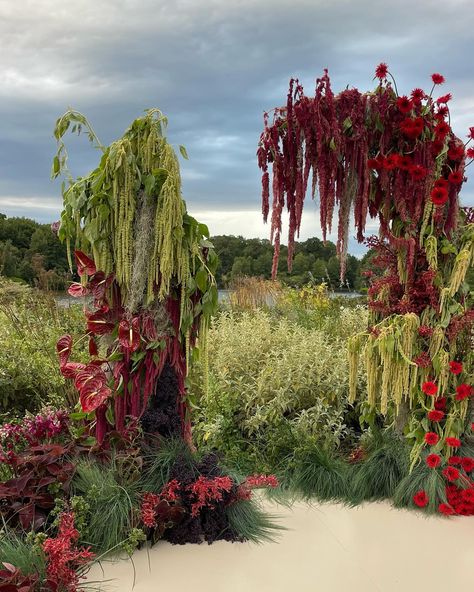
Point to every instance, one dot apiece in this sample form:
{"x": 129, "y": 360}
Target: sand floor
{"x": 328, "y": 548}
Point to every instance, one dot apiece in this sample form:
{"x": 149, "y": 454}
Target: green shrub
{"x": 30, "y": 324}
{"x": 273, "y": 384}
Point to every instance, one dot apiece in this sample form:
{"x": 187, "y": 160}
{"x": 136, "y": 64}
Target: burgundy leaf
{"x": 85, "y": 265}
{"x": 77, "y": 290}
{"x": 63, "y": 348}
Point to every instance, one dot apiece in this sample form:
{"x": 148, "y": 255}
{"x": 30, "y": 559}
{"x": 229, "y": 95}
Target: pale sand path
{"x": 329, "y": 548}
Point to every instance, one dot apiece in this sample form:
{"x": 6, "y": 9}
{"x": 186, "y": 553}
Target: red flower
{"x": 451, "y": 474}
{"x": 259, "y": 481}
{"x": 431, "y": 438}
{"x": 454, "y": 442}
{"x": 456, "y": 177}
{"x": 446, "y": 509}
{"x": 85, "y": 265}
{"x": 391, "y": 162}
{"x": 433, "y": 460}
{"x": 437, "y": 78}
{"x": 439, "y": 196}
{"x": 404, "y": 105}
{"x": 418, "y": 172}
{"x": 467, "y": 463}
{"x": 437, "y": 146}
{"x": 463, "y": 391}
{"x": 440, "y": 404}
{"x": 412, "y": 128}
{"x": 424, "y": 330}
{"x": 129, "y": 335}
{"x": 454, "y": 460}
{"x": 381, "y": 71}
{"x": 444, "y": 99}
{"x": 423, "y": 360}
{"x": 429, "y": 388}
{"x": 441, "y": 183}
{"x": 206, "y": 491}
{"x": 455, "y": 367}
{"x": 417, "y": 95}
{"x": 456, "y": 153}
{"x": 435, "y": 415}
{"x": 468, "y": 495}
{"x": 442, "y": 129}
{"x": 470, "y": 152}
{"x": 470, "y": 135}
{"x": 442, "y": 112}
{"x": 405, "y": 162}
{"x": 420, "y": 498}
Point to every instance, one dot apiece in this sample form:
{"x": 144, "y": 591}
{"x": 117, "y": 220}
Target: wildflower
{"x": 470, "y": 152}
{"x": 454, "y": 442}
{"x": 442, "y": 129}
{"x": 437, "y": 78}
{"x": 404, "y": 105}
{"x": 463, "y": 391}
{"x": 456, "y": 153}
{"x": 444, "y": 99}
{"x": 456, "y": 177}
{"x": 439, "y": 196}
{"x": 417, "y": 95}
{"x": 455, "y": 367}
{"x": 435, "y": 415}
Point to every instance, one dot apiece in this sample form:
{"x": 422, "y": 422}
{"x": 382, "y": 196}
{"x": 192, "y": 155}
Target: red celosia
{"x": 433, "y": 460}
{"x": 456, "y": 177}
{"x": 404, "y": 105}
{"x": 421, "y": 498}
{"x": 63, "y": 558}
{"x": 425, "y": 331}
{"x": 463, "y": 391}
{"x": 381, "y": 71}
{"x": 431, "y": 438}
{"x": 467, "y": 463}
{"x": 439, "y": 196}
{"x": 451, "y": 474}
{"x": 453, "y": 442}
{"x": 423, "y": 360}
{"x": 446, "y": 509}
{"x": 437, "y": 78}
{"x": 429, "y": 388}
{"x": 207, "y": 491}
{"x": 435, "y": 415}
{"x": 455, "y": 367}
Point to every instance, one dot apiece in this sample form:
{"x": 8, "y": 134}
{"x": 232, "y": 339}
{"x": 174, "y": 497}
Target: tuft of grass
{"x": 111, "y": 504}
{"x": 378, "y": 476}
{"x": 252, "y": 522}
{"x": 422, "y": 477}
{"x": 21, "y": 554}
{"x": 158, "y": 462}
{"x": 319, "y": 474}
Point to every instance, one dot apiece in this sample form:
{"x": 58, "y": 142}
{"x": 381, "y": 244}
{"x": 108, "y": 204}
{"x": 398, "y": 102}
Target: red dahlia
{"x": 453, "y": 442}
{"x": 433, "y": 460}
{"x": 439, "y": 196}
{"x": 431, "y": 438}
{"x": 420, "y": 498}
{"x": 451, "y": 474}
{"x": 446, "y": 509}
{"x": 418, "y": 172}
{"x": 429, "y": 388}
{"x": 456, "y": 177}
{"x": 463, "y": 391}
{"x": 467, "y": 463}
{"x": 435, "y": 415}
{"x": 381, "y": 71}
{"x": 437, "y": 78}
{"x": 444, "y": 99}
{"x": 455, "y": 367}
{"x": 404, "y": 105}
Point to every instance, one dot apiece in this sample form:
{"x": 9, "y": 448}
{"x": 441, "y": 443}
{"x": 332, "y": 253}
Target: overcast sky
{"x": 212, "y": 66}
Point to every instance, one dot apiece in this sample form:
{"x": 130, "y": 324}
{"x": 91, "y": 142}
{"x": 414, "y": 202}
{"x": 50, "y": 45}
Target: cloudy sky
{"x": 213, "y": 66}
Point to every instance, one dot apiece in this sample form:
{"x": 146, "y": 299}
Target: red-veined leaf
{"x": 85, "y": 265}
{"x": 93, "y": 395}
{"x": 90, "y": 372}
{"x": 77, "y": 290}
{"x": 63, "y": 348}
{"x": 99, "y": 323}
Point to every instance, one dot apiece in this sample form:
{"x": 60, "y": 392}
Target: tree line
{"x": 30, "y": 252}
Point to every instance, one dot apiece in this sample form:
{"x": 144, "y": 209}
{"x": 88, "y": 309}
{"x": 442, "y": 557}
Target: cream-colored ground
{"x": 328, "y": 548}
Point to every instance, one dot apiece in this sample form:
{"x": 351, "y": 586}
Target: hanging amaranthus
{"x": 147, "y": 265}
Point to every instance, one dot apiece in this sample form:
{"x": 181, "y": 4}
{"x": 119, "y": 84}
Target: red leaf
{"x": 70, "y": 369}
{"x": 90, "y": 372}
{"x": 77, "y": 290}
{"x": 93, "y": 394}
{"x": 99, "y": 323}
{"x": 93, "y": 350}
{"x": 85, "y": 265}
{"x": 129, "y": 335}
{"x": 63, "y": 348}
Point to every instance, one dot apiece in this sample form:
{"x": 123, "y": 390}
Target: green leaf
{"x": 184, "y": 154}
{"x": 109, "y": 416}
{"x": 77, "y": 416}
{"x": 149, "y": 184}
{"x": 56, "y": 166}
{"x": 201, "y": 279}
{"x": 204, "y": 230}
